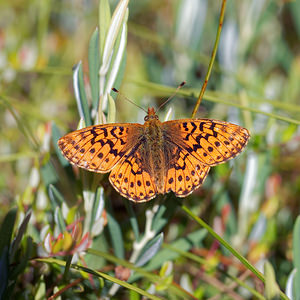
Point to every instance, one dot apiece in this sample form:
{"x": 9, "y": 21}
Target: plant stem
{"x": 242, "y": 259}
{"x": 213, "y": 56}
{"x": 138, "y": 246}
{"x": 67, "y": 267}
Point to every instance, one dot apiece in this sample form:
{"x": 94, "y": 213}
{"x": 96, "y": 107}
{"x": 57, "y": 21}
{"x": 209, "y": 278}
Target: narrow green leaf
{"x": 3, "y": 271}
{"x": 104, "y": 21}
{"x": 105, "y": 276}
{"x": 225, "y": 244}
{"x": 118, "y": 58}
{"x": 150, "y": 250}
{"x": 20, "y": 267}
{"x": 295, "y": 12}
{"x": 121, "y": 71}
{"x": 83, "y": 98}
{"x": 80, "y": 95}
{"x": 164, "y": 213}
{"x": 132, "y": 219}
{"x": 56, "y": 197}
{"x": 114, "y": 29}
{"x": 289, "y": 288}
{"x": 98, "y": 205}
{"x": 115, "y": 232}
{"x": 94, "y": 65}
{"x": 20, "y": 234}
{"x": 55, "y": 136}
{"x": 48, "y": 173}
{"x": 296, "y": 258}
{"x": 184, "y": 244}
{"x": 148, "y": 275}
{"x": 6, "y": 230}
{"x": 111, "y": 115}
{"x": 271, "y": 287}
{"x": 59, "y": 219}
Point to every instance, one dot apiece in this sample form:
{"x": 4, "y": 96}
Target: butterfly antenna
{"x": 117, "y": 91}
{"x": 172, "y": 96}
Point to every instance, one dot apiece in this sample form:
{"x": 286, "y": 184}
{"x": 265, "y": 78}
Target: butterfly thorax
{"x": 153, "y": 146}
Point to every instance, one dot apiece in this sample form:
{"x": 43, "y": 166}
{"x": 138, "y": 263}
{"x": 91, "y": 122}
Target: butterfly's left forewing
{"x": 99, "y": 148}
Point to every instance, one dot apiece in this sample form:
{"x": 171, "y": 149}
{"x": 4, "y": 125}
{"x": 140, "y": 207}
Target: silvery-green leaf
{"x": 150, "y": 250}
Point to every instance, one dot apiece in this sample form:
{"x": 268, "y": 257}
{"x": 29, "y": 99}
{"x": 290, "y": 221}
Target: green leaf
{"x": 20, "y": 267}
{"x": 94, "y": 65}
{"x": 104, "y": 22}
{"x": 111, "y": 116}
{"x": 80, "y": 95}
{"x": 295, "y": 11}
{"x": 296, "y": 258}
{"x": 55, "y": 196}
{"x": 55, "y": 135}
{"x": 48, "y": 173}
{"x": 3, "y": 270}
{"x": 271, "y": 287}
{"x": 59, "y": 219}
{"x": 97, "y": 261}
{"x": 101, "y": 274}
{"x": 6, "y": 229}
{"x": 98, "y": 205}
{"x": 115, "y": 232}
{"x": 6, "y": 232}
{"x": 118, "y": 60}
{"x": 132, "y": 219}
{"x": 164, "y": 213}
{"x": 184, "y": 244}
{"x": 20, "y": 234}
{"x": 150, "y": 250}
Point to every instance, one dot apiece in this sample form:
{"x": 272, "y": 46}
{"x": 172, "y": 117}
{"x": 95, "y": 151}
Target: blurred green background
{"x": 253, "y": 201}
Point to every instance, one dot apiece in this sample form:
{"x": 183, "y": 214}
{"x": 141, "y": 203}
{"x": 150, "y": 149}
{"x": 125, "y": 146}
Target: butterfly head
{"x": 151, "y": 114}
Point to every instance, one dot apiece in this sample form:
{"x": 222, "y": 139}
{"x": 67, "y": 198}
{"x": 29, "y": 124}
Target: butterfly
{"x": 156, "y": 157}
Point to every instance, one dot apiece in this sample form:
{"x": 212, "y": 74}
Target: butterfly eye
{"x": 146, "y": 118}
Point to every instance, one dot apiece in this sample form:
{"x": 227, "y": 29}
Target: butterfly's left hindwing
{"x": 99, "y": 148}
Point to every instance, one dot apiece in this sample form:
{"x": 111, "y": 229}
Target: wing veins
{"x": 232, "y": 136}
{"x": 223, "y": 131}
{"x": 190, "y": 153}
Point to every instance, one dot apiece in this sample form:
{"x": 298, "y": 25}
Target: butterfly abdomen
{"x": 154, "y": 152}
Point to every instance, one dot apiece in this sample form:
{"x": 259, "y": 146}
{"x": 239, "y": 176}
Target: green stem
{"x": 242, "y": 259}
{"x": 213, "y": 56}
{"x": 67, "y": 268}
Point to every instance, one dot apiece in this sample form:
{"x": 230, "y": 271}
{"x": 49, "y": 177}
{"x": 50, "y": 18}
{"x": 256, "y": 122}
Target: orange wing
{"x": 99, "y": 148}
{"x": 184, "y": 172}
{"x": 132, "y": 179}
{"x": 211, "y": 142}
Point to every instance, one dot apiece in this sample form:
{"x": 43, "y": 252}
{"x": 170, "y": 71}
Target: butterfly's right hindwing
{"x": 184, "y": 173}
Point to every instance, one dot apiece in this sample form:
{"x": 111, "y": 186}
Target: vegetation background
{"x": 51, "y": 210}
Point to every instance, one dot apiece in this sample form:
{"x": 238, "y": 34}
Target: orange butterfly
{"x": 157, "y": 157}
